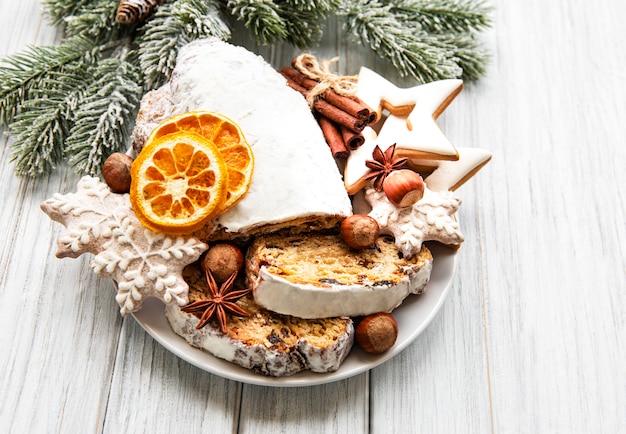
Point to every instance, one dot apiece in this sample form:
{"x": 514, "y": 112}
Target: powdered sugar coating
{"x": 295, "y": 175}
{"x": 259, "y": 358}
{"x": 155, "y": 107}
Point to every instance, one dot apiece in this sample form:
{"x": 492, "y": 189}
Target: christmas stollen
{"x": 264, "y": 342}
{"x": 319, "y": 276}
{"x": 296, "y": 182}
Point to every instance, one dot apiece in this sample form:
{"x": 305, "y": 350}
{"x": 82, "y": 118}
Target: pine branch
{"x": 172, "y": 26}
{"x": 469, "y": 55}
{"x": 58, "y": 10}
{"x": 103, "y": 121}
{"x": 42, "y": 125}
{"x": 23, "y": 73}
{"x": 444, "y": 16}
{"x": 305, "y": 21}
{"x": 262, "y": 18}
{"x": 454, "y": 23}
{"x": 38, "y": 135}
{"x": 411, "y": 51}
{"x": 421, "y": 46}
{"x": 298, "y": 22}
{"x": 96, "y": 19}
{"x": 40, "y": 96}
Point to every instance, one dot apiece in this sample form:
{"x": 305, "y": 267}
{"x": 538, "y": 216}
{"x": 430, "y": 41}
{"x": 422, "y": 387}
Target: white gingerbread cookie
{"x": 450, "y": 175}
{"x": 432, "y": 218}
{"x": 142, "y": 262}
{"x": 355, "y": 169}
{"x": 411, "y": 124}
{"x": 379, "y": 93}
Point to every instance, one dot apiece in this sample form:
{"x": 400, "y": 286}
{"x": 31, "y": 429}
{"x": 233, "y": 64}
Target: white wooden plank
{"x": 553, "y": 220}
{"x": 155, "y": 391}
{"x": 45, "y": 318}
{"x": 19, "y": 22}
{"x": 440, "y": 383}
{"x": 58, "y": 320}
{"x": 335, "y": 407}
{"x": 428, "y": 388}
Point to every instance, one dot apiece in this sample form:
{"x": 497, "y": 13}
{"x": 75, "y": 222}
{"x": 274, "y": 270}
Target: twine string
{"x": 308, "y": 65}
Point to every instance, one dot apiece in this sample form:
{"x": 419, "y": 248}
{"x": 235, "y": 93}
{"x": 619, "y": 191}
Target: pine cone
{"x": 136, "y": 11}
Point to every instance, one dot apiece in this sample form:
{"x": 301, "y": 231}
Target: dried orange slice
{"x": 228, "y": 138}
{"x": 179, "y": 183}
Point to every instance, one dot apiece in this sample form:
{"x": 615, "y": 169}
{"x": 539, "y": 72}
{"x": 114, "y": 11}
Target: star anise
{"x": 382, "y": 165}
{"x": 222, "y": 301}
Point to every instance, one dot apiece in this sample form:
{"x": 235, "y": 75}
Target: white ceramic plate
{"x": 415, "y": 313}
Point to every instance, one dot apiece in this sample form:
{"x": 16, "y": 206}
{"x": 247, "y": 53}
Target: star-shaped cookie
{"x": 411, "y": 123}
{"x": 142, "y": 262}
{"x": 450, "y": 175}
{"x": 379, "y": 93}
{"x": 432, "y": 218}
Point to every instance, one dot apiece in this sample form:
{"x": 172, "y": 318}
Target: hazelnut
{"x": 223, "y": 259}
{"x": 377, "y": 333}
{"x": 404, "y": 187}
{"x": 116, "y": 172}
{"x": 359, "y": 231}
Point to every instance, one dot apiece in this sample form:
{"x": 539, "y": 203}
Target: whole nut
{"x": 359, "y": 231}
{"x": 223, "y": 259}
{"x": 404, "y": 187}
{"x": 116, "y": 172}
{"x": 377, "y": 333}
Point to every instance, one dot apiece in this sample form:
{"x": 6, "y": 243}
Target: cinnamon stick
{"x": 339, "y": 116}
{"x": 351, "y": 139}
{"x": 331, "y": 112}
{"x": 333, "y": 137}
{"x": 350, "y": 104}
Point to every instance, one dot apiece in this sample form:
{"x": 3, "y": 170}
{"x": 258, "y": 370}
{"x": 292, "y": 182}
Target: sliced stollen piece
{"x": 319, "y": 276}
{"x": 265, "y": 342}
{"x": 296, "y": 180}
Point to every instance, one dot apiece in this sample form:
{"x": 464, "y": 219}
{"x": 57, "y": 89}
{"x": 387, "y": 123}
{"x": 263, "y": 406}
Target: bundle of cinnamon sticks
{"x": 341, "y": 117}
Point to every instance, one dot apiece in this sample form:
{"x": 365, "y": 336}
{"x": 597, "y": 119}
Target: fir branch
{"x": 77, "y": 100}
{"x": 444, "y": 16}
{"x": 305, "y": 20}
{"x": 298, "y": 22}
{"x": 262, "y": 18}
{"x": 42, "y": 125}
{"x": 23, "y": 73}
{"x": 38, "y": 135}
{"x": 172, "y": 26}
{"x": 103, "y": 121}
{"x": 469, "y": 55}
{"x": 58, "y": 10}
{"x": 411, "y": 50}
{"x": 96, "y": 19}
{"x": 427, "y": 40}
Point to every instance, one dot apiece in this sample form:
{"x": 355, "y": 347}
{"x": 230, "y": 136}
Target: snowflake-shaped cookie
{"x": 432, "y": 218}
{"x": 142, "y": 262}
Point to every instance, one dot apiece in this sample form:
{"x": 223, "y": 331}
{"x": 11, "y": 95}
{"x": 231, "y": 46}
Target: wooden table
{"x": 531, "y": 339}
